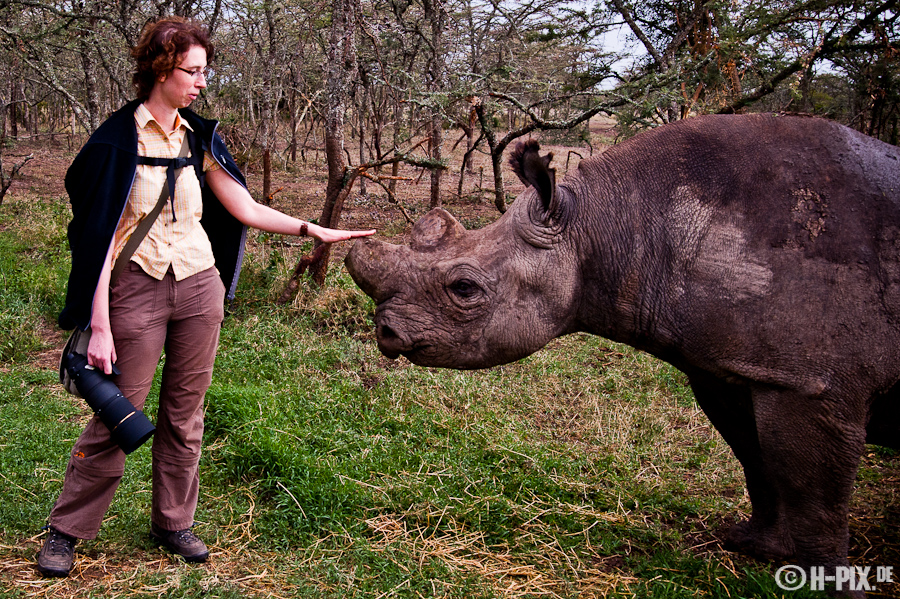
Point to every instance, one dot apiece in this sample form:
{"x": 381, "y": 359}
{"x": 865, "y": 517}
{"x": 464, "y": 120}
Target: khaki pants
{"x": 147, "y": 316}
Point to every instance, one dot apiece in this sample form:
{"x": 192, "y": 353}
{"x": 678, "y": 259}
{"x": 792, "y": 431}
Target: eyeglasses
{"x": 196, "y": 73}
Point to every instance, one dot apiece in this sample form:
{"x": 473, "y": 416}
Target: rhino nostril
{"x": 386, "y": 332}
{"x": 389, "y": 342}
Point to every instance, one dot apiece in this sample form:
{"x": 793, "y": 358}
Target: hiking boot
{"x": 57, "y": 555}
{"x": 181, "y": 542}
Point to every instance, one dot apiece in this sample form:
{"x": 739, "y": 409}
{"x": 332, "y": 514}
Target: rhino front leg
{"x": 811, "y": 447}
{"x": 730, "y": 409}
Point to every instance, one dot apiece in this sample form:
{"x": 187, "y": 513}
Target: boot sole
{"x": 53, "y": 572}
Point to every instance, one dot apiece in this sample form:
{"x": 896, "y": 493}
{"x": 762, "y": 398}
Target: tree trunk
{"x": 91, "y": 87}
{"x": 436, "y": 15}
{"x": 340, "y": 67}
{"x": 436, "y": 172}
{"x": 395, "y": 167}
{"x": 292, "y": 106}
{"x": 470, "y": 140}
{"x": 266, "y": 107}
{"x": 468, "y": 128}
{"x": 267, "y": 176}
{"x": 362, "y": 116}
{"x": 13, "y": 103}
{"x": 496, "y": 155}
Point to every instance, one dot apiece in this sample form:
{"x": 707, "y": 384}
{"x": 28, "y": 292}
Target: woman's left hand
{"x": 326, "y": 235}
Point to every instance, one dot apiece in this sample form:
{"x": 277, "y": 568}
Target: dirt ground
{"x": 298, "y": 189}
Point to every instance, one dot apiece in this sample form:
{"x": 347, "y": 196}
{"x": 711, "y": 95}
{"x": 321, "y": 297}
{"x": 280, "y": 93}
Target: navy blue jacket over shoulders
{"x": 99, "y": 181}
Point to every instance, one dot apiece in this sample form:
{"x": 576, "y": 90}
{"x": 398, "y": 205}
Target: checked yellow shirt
{"x": 180, "y": 242}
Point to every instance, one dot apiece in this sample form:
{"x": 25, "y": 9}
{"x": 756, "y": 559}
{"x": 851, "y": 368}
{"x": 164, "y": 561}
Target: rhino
{"x": 759, "y": 254}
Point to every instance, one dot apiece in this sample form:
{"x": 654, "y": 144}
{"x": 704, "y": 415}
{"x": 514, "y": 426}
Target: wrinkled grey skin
{"x": 759, "y": 254}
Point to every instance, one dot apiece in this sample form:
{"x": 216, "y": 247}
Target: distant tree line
{"x": 410, "y": 78}
{"x": 423, "y": 69}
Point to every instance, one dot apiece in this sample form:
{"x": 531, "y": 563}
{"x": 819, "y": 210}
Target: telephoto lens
{"x": 128, "y": 426}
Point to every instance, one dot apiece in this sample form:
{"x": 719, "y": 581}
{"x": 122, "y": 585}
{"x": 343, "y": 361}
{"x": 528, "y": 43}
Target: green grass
{"x": 33, "y": 263}
{"x": 585, "y": 470}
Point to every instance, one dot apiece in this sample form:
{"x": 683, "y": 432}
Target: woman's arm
{"x": 101, "y": 350}
{"x": 238, "y": 202}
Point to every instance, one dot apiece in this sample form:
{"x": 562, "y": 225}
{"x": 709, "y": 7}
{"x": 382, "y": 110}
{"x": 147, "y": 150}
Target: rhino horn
{"x": 371, "y": 263}
{"x": 434, "y": 229}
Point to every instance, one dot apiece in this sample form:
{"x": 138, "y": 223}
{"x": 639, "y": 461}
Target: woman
{"x": 170, "y": 294}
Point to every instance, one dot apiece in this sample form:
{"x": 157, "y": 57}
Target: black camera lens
{"x": 128, "y": 426}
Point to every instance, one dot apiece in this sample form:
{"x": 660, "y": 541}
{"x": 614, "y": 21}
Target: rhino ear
{"x": 434, "y": 228}
{"x": 534, "y": 170}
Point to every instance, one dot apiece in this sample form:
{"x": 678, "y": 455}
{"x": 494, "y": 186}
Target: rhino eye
{"x": 465, "y": 288}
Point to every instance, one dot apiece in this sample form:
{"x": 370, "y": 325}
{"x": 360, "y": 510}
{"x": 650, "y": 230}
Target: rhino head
{"x": 472, "y": 299}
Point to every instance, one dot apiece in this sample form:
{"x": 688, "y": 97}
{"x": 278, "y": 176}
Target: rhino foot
{"x": 767, "y": 543}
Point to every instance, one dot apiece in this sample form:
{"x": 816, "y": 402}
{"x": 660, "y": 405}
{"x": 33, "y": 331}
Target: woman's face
{"x": 182, "y": 86}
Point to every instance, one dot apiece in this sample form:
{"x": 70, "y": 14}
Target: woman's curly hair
{"x": 161, "y": 45}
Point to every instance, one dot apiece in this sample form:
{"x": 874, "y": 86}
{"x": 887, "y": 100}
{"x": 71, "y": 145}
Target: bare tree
{"x": 340, "y": 67}
{"x": 435, "y": 14}
{"x": 6, "y": 178}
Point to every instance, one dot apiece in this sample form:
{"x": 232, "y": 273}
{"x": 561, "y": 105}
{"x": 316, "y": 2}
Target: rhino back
{"x": 747, "y": 241}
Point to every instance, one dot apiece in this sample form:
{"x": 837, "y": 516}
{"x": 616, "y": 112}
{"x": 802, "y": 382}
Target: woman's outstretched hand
{"x": 326, "y": 235}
